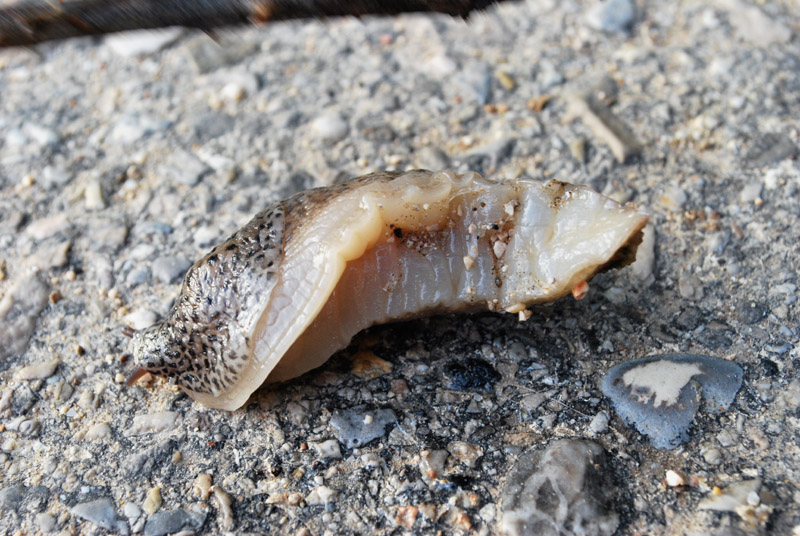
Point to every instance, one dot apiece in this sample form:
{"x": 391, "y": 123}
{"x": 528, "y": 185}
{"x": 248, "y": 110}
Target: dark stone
{"x": 374, "y": 128}
{"x": 171, "y": 521}
{"x": 143, "y": 463}
{"x": 298, "y": 182}
{"x": 11, "y": 497}
{"x": 352, "y": 431}
{"x": 206, "y": 126}
{"x": 751, "y": 312}
{"x": 566, "y": 489}
{"x": 770, "y": 148}
{"x": 471, "y": 374}
{"x": 660, "y": 395}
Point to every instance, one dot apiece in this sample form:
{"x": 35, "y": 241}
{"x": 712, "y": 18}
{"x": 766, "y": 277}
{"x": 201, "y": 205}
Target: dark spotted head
{"x": 203, "y": 344}
{"x": 198, "y": 358}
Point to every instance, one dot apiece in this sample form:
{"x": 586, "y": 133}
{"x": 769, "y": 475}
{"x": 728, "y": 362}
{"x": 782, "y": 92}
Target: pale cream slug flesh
{"x": 294, "y": 285}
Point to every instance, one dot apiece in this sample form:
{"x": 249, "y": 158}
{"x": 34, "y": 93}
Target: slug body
{"x": 295, "y": 284}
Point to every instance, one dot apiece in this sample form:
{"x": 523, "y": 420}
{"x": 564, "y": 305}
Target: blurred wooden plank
{"x": 28, "y": 22}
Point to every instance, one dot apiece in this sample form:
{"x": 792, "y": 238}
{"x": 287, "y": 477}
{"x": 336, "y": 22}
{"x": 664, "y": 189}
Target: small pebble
{"x": 133, "y": 127}
{"x": 351, "y": 429}
{"x": 135, "y": 516}
{"x": 465, "y": 452}
{"x": 140, "y": 319}
{"x": 184, "y": 168}
{"x": 328, "y": 449}
{"x": 750, "y": 193}
{"x": 153, "y": 423}
{"x": 224, "y": 501}
{"x": 599, "y": 423}
{"x": 142, "y": 42}
{"x": 170, "y": 269}
{"x": 98, "y": 431}
{"x": 101, "y": 512}
{"x": 320, "y": 495}
{"x": 47, "y": 227}
{"x": 173, "y": 521}
{"x": 674, "y": 479}
{"x": 93, "y": 195}
{"x": 39, "y": 371}
{"x": 45, "y": 522}
{"x": 645, "y": 261}
{"x": 431, "y": 464}
{"x": 613, "y": 16}
{"x": 329, "y": 127}
{"x": 506, "y": 80}
{"x": 152, "y": 502}
{"x": 712, "y": 456}
{"x": 202, "y": 486}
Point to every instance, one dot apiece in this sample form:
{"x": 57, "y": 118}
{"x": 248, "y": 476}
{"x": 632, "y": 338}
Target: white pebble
{"x": 140, "y": 319}
{"x": 673, "y": 198}
{"x": 93, "y": 194}
{"x": 499, "y": 249}
{"x": 45, "y": 521}
{"x": 233, "y": 92}
{"x": 320, "y": 495}
{"x": 328, "y": 449}
{"x": 37, "y": 372}
{"x": 465, "y": 452}
{"x": 645, "y": 261}
{"x": 141, "y": 42}
{"x": 153, "y": 423}
{"x": 98, "y": 431}
{"x": 674, "y": 479}
{"x": 47, "y": 227}
{"x": 750, "y": 193}
{"x": 329, "y": 127}
{"x": 224, "y": 502}
{"x": 600, "y": 423}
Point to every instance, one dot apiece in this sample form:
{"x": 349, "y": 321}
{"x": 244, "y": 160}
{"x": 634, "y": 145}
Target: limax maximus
{"x": 296, "y": 283}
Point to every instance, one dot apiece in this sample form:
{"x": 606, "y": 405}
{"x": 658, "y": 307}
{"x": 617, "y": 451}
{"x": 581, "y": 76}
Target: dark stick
{"x": 27, "y": 22}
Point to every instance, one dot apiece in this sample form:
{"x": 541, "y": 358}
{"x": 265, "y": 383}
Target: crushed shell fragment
{"x": 295, "y": 284}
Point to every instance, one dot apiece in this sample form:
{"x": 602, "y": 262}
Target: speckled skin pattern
{"x": 204, "y": 341}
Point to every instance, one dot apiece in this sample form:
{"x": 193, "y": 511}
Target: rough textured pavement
{"x": 124, "y": 159}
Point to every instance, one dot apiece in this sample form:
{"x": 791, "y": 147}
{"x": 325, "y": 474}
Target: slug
{"x": 294, "y": 285}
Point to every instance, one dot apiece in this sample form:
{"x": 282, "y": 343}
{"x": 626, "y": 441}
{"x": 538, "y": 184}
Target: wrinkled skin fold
{"x": 294, "y": 285}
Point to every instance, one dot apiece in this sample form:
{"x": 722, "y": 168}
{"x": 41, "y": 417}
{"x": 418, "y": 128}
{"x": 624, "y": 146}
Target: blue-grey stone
{"x": 138, "y": 275}
{"x": 101, "y": 512}
{"x": 11, "y": 497}
{"x": 472, "y": 83}
{"x": 171, "y": 521}
{"x": 615, "y": 16}
{"x": 148, "y": 228}
{"x": 170, "y": 269}
{"x": 183, "y": 167}
{"x": 352, "y": 429}
{"x": 660, "y": 394}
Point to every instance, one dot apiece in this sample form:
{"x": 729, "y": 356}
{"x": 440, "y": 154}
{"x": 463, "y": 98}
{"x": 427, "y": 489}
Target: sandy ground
{"x": 119, "y": 166}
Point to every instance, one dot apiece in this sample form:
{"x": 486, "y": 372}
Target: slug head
{"x": 200, "y": 361}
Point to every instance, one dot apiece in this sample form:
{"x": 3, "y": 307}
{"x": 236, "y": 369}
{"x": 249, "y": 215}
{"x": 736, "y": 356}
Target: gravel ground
{"x": 124, "y": 159}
